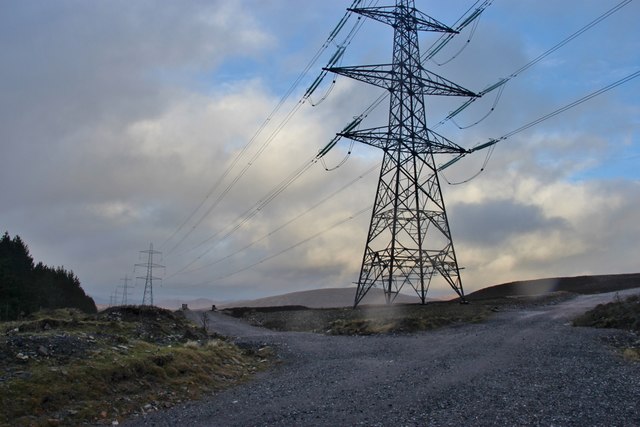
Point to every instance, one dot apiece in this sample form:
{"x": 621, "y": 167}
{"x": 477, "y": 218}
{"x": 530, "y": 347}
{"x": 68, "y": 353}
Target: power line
{"x": 492, "y": 142}
{"x": 332, "y": 61}
{"x": 301, "y": 242}
{"x": 252, "y": 212}
{"x": 147, "y": 297}
{"x": 125, "y": 289}
{"x": 287, "y": 223}
{"x": 264, "y": 124}
{"x": 472, "y": 14}
{"x": 590, "y": 25}
{"x": 465, "y": 45}
{"x": 572, "y": 104}
{"x": 503, "y": 81}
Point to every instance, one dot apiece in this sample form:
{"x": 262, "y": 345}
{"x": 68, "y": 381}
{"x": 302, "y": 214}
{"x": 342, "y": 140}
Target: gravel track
{"x": 521, "y": 367}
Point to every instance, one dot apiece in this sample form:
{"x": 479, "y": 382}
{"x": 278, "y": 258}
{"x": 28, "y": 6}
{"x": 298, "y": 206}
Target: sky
{"x": 125, "y": 124}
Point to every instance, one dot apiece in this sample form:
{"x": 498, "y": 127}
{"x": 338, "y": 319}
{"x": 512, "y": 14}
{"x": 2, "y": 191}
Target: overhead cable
{"x": 500, "y": 84}
{"x": 301, "y": 242}
{"x": 334, "y": 33}
{"x": 492, "y": 142}
{"x": 248, "y": 214}
{"x": 472, "y": 14}
{"x": 287, "y": 223}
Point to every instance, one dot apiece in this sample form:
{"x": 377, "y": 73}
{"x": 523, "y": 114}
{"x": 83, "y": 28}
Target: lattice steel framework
{"x": 409, "y": 239}
{"x": 147, "y": 296}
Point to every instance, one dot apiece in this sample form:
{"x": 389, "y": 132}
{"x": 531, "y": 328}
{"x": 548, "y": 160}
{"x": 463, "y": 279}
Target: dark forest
{"x": 26, "y": 287}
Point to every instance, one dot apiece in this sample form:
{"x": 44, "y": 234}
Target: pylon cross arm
{"x": 387, "y": 138}
{"x": 384, "y": 76}
{"x": 416, "y": 20}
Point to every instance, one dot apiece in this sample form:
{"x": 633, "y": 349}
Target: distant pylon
{"x": 125, "y": 289}
{"x": 147, "y": 297}
{"x": 409, "y": 239}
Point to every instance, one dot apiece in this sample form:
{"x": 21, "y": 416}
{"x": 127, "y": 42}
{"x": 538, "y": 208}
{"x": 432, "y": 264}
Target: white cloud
{"x": 117, "y": 118}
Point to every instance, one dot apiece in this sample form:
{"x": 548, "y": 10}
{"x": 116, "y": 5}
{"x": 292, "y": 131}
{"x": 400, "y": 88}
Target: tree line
{"x": 26, "y": 287}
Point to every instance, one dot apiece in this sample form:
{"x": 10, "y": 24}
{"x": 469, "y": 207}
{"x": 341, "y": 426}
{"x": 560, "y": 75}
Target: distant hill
{"x": 343, "y": 297}
{"x": 578, "y": 285}
{"x": 321, "y": 298}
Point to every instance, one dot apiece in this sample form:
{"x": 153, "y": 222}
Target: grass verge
{"x": 365, "y": 320}
{"x": 620, "y": 314}
{"x": 66, "y": 368}
{"x": 383, "y": 319}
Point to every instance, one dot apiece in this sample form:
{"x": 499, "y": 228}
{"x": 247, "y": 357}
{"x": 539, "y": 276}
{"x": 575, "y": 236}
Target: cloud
{"x": 118, "y": 118}
{"x": 494, "y": 221}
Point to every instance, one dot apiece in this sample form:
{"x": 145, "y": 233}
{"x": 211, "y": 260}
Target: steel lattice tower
{"x": 409, "y": 239}
{"x": 147, "y": 297}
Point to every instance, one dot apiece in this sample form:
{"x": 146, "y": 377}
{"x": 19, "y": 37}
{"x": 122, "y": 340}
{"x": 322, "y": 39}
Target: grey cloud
{"x": 115, "y": 121}
{"x": 494, "y": 222}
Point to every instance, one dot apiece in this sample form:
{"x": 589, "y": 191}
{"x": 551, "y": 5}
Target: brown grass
{"x": 77, "y": 369}
{"x": 366, "y": 320}
{"x": 620, "y": 314}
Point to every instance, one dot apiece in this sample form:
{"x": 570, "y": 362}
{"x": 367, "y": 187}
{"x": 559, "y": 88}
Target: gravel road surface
{"x": 522, "y": 367}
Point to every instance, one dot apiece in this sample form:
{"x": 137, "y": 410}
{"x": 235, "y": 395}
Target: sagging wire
{"x": 342, "y": 162}
{"x": 289, "y": 248}
{"x": 333, "y": 61}
{"x": 444, "y": 39}
{"x": 249, "y": 214}
{"x": 334, "y": 33}
{"x": 492, "y": 142}
{"x": 474, "y": 176}
{"x": 534, "y": 61}
{"x": 325, "y": 96}
{"x": 464, "y": 46}
{"x": 488, "y": 113}
{"x": 287, "y": 223}
{"x": 348, "y": 128}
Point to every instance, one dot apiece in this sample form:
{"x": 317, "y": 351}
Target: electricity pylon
{"x": 409, "y": 239}
{"x": 125, "y": 289}
{"x": 147, "y": 297}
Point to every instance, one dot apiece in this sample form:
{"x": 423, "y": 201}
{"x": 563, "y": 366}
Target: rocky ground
{"x": 64, "y": 367}
{"x": 524, "y": 366}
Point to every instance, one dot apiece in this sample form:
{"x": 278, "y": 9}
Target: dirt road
{"x": 519, "y": 368}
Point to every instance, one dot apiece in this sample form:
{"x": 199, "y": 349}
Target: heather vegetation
{"x": 26, "y": 287}
{"x": 65, "y": 367}
{"x": 365, "y": 320}
{"x": 619, "y": 314}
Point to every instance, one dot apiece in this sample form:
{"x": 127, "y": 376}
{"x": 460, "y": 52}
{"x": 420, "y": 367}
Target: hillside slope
{"x": 578, "y": 285}
{"x": 322, "y": 298}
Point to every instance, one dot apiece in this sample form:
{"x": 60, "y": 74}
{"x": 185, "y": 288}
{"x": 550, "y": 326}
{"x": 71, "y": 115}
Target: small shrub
{"x": 632, "y": 354}
{"x": 620, "y": 314}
